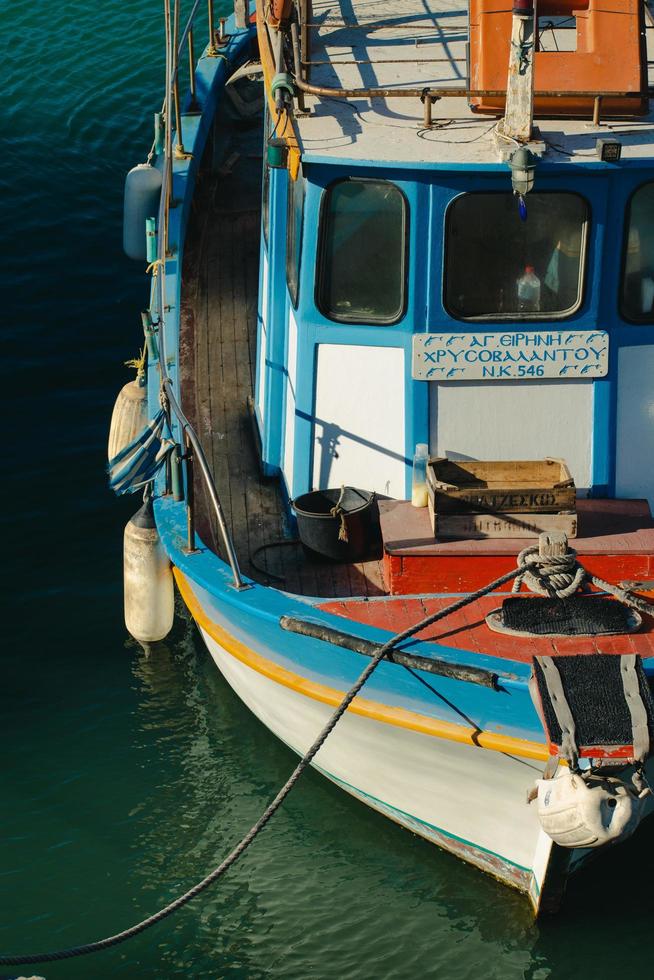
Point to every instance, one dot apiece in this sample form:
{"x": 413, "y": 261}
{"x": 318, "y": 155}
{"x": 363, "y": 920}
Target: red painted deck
{"x": 615, "y": 541}
{"x": 467, "y": 629}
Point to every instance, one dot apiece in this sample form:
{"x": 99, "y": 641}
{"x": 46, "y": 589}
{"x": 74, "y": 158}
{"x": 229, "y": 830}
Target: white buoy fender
{"x": 588, "y": 812}
{"x": 141, "y": 201}
{"x": 129, "y": 417}
{"x": 147, "y": 580}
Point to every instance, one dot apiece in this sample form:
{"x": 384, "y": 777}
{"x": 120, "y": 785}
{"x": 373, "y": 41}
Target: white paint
{"x": 289, "y": 425}
{"x": 424, "y": 782}
{"x": 635, "y": 429}
{"x": 515, "y": 420}
{"x": 511, "y": 355}
{"x": 262, "y": 353}
{"x": 358, "y": 435}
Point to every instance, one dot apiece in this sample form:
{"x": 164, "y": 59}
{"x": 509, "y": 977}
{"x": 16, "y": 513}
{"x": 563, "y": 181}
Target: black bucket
{"x": 341, "y": 525}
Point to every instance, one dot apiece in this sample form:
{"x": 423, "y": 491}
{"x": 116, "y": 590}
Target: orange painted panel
{"x": 610, "y": 56}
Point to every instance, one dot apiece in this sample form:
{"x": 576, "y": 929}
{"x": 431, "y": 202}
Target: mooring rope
{"x": 271, "y": 809}
{"x": 562, "y": 576}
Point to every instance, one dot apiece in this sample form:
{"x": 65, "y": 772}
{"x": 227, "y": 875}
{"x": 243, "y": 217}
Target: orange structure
{"x": 610, "y": 56}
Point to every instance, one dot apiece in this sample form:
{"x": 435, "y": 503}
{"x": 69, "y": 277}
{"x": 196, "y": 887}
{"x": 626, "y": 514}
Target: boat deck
{"x": 218, "y": 348}
{"x": 421, "y": 44}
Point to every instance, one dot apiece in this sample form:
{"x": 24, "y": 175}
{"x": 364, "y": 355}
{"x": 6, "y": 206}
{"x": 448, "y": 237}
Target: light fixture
{"x": 277, "y": 153}
{"x": 523, "y": 171}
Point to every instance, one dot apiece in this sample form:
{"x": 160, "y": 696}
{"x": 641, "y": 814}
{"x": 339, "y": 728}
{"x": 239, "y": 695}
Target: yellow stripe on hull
{"x": 399, "y": 717}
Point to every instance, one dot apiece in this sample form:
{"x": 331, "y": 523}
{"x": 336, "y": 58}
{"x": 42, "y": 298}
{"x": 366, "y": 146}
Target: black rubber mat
{"x": 594, "y": 691}
{"x": 577, "y": 616}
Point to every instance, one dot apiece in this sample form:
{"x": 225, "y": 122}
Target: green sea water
{"x": 126, "y": 778}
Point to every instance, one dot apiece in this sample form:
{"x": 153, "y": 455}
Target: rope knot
{"x": 557, "y": 576}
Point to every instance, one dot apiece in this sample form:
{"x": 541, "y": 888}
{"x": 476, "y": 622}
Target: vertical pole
{"x": 167, "y": 127}
{"x": 191, "y": 66}
{"x": 179, "y": 145}
{"x": 212, "y": 46}
{"x": 519, "y": 115}
{"x": 190, "y": 494}
{"x": 597, "y": 111}
{"x": 305, "y": 54}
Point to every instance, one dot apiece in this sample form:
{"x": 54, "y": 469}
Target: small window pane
{"x": 638, "y": 283}
{"x": 503, "y": 267}
{"x": 362, "y": 270}
{"x": 294, "y": 234}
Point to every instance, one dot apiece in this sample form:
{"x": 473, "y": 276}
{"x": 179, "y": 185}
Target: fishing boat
{"x": 398, "y": 361}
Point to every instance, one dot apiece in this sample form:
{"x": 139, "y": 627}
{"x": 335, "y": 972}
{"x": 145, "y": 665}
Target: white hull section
{"x": 469, "y": 800}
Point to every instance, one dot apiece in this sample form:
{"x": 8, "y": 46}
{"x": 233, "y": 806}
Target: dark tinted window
{"x": 503, "y": 267}
{"x": 638, "y": 278}
{"x": 363, "y": 248}
{"x": 294, "y": 234}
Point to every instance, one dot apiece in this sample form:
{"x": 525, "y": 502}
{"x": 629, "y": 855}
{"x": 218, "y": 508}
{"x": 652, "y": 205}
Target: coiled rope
{"x": 271, "y": 809}
{"x": 561, "y": 576}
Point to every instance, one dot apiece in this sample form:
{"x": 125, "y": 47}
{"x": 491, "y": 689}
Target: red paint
{"x": 467, "y": 629}
{"x": 415, "y": 574}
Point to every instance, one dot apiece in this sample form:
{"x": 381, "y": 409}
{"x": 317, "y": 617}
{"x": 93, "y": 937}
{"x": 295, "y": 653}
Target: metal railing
{"x": 302, "y": 28}
{"x": 172, "y": 114}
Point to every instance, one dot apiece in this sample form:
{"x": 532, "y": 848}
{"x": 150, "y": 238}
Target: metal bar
{"x": 382, "y": 61}
{"x": 368, "y": 648}
{"x": 211, "y": 488}
{"x": 191, "y": 67}
{"x": 190, "y": 493}
{"x": 212, "y": 46}
{"x": 385, "y": 26}
{"x": 166, "y": 197}
{"x": 597, "y": 110}
{"x": 189, "y": 26}
{"x": 179, "y": 146}
{"x": 304, "y": 36}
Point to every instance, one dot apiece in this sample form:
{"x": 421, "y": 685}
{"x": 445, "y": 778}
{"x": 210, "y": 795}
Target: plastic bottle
{"x": 528, "y": 291}
{"x": 419, "y": 485}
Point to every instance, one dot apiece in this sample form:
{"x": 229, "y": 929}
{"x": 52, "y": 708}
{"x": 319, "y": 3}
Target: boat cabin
{"x": 408, "y": 295}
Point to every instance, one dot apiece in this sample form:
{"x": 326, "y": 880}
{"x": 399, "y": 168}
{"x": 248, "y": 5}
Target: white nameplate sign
{"x": 510, "y": 355}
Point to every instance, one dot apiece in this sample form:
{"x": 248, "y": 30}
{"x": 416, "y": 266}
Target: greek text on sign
{"x": 510, "y": 355}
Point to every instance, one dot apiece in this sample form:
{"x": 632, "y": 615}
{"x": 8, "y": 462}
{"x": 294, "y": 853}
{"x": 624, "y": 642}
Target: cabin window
{"x": 294, "y": 215}
{"x": 638, "y": 277}
{"x": 362, "y": 269}
{"x": 499, "y": 266}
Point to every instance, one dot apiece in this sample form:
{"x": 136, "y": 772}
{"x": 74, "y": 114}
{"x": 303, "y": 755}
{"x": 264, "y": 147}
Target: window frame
{"x": 294, "y": 242}
{"x": 646, "y": 319}
{"x": 321, "y": 256}
{"x": 516, "y": 316}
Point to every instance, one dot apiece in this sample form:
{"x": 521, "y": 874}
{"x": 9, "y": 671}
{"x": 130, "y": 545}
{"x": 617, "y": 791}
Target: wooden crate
{"x": 525, "y": 487}
{"x": 504, "y": 499}
{"x": 478, "y": 526}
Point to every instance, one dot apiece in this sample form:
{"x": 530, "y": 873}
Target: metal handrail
{"x": 450, "y": 92}
{"x": 302, "y": 65}
{"x": 174, "y": 51}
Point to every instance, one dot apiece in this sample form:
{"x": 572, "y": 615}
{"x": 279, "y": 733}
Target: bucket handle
{"x": 337, "y": 511}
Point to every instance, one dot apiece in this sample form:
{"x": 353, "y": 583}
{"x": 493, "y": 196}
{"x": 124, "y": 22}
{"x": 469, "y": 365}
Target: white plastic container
{"x": 419, "y": 483}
